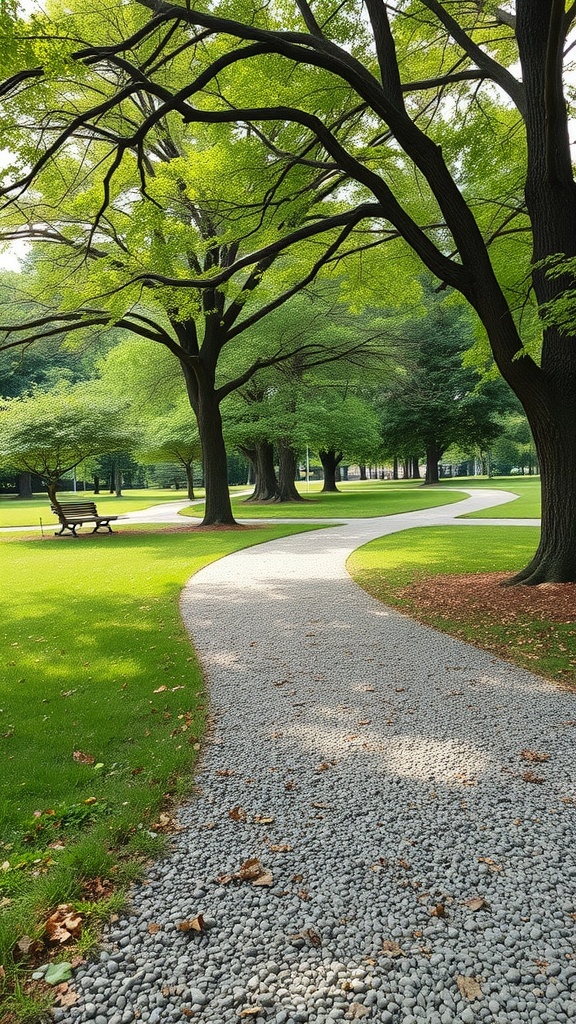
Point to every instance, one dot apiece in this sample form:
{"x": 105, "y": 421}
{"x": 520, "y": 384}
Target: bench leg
{"x": 65, "y": 527}
{"x": 106, "y": 525}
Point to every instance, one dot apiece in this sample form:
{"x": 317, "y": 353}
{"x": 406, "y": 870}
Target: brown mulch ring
{"x": 464, "y": 596}
{"x": 524, "y": 625}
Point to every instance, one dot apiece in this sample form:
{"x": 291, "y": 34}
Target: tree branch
{"x": 492, "y": 68}
{"x": 385, "y": 51}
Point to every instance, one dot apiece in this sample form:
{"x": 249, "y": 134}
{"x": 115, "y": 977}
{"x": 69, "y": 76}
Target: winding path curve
{"x": 408, "y": 799}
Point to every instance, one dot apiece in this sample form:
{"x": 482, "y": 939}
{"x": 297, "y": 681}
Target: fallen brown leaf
{"x": 249, "y": 870}
{"x": 26, "y": 946}
{"x": 535, "y": 756}
{"x": 237, "y": 813}
{"x": 476, "y": 903}
{"x": 63, "y": 925}
{"x": 279, "y": 847}
{"x": 250, "y": 1011}
{"x": 392, "y": 948}
{"x": 265, "y": 878}
{"x": 491, "y": 863}
{"x": 263, "y": 819}
{"x": 153, "y": 929}
{"x": 532, "y": 777}
{"x": 65, "y": 996}
{"x": 468, "y": 987}
{"x": 438, "y": 911}
{"x": 81, "y": 758}
{"x": 312, "y": 936}
{"x": 195, "y": 924}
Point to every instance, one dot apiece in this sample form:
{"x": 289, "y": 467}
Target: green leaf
{"x": 58, "y": 973}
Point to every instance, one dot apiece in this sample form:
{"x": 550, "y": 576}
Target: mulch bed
{"x": 467, "y": 596}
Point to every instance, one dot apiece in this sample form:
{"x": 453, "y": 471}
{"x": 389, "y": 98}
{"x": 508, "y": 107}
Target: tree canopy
{"x": 49, "y": 433}
{"x": 419, "y": 126}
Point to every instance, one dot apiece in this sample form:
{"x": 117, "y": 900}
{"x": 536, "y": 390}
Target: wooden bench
{"x": 73, "y": 514}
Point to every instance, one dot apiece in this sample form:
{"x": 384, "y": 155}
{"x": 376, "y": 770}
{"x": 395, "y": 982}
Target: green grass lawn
{"x": 391, "y": 568}
{"x": 525, "y": 506}
{"x": 16, "y": 511}
{"x": 354, "y": 501}
{"x": 102, "y": 707}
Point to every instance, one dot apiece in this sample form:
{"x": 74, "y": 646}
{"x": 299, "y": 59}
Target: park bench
{"x": 75, "y": 513}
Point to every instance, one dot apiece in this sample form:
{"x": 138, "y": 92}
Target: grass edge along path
{"x": 395, "y": 569}
{"x": 355, "y": 501}
{"x": 102, "y": 708}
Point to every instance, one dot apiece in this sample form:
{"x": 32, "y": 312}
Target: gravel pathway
{"x": 406, "y": 802}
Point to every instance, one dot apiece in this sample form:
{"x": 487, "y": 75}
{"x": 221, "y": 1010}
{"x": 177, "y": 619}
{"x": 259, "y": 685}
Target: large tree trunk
{"x": 362, "y": 469}
{"x": 96, "y": 484}
{"x": 287, "y": 462}
{"x": 205, "y": 404}
{"x": 265, "y": 483}
{"x": 330, "y": 461}
{"x": 218, "y": 509}
{"x": 24, "y": 485}
{"x": 551, "y": 202}
{"x": 555, "y": 558}
{"x": 395, "y": 474}
{"x": 433, "y": 453}
{"x": 415, "y": 468}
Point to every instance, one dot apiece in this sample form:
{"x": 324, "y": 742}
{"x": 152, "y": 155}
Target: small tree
{"x": 48, "y": 433}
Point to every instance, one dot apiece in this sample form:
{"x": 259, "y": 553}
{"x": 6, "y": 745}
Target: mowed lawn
{"x": 526, "y": 506}
{"x": 102, "y": 707}
{"x": 357, "y": 500}
{"x": 16, "y": 511}
{"x": 437, "y": 575}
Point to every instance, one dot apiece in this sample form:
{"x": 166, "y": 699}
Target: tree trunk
{"x": 204, "y": 401}
{"x": 330, "y": 461}
{"x": 287, "y": 462}
{"x": 395, "y": 468}
{"x": 24, "y": 485}
{"x": 550, "y": 398}
{"x": 96, "y": 484}
{"x": 118, "y": 481}
{"x": 415, "y": 468}
{"x": 405, "y": 469}
{"x": 218, "y": 509}
{"x": 261, "y": 457}
{"x": 362, "y": 469}
{"x": 555, "y": 558}
{"x": 189, "y": 468}
{"x": 52, "y": 488}
{"x": 433, "y": 453}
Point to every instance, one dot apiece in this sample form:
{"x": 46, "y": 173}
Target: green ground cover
{"x": 394, "y": 569}
{"x": 28, "y": 511}
{"x": 101, "y": 709}
{"x": 354, "y": 501}
{"x": 525, "y": 506}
